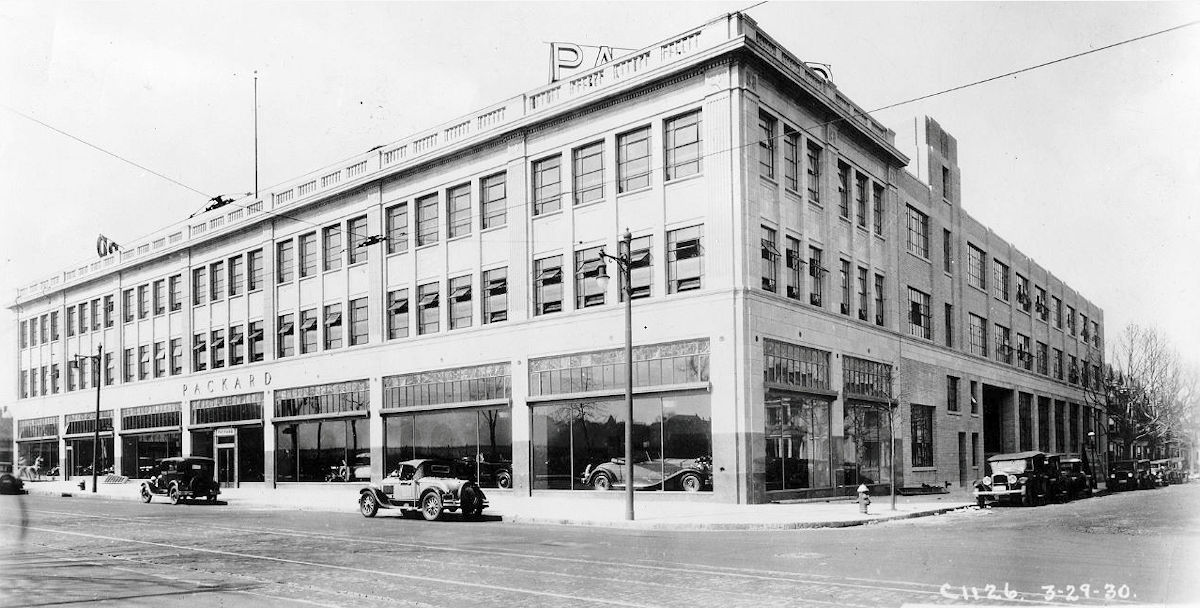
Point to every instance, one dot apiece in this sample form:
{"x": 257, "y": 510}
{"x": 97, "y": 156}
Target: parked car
{"x": 9, "y": 483}
{"x": 1077, "y": 477}
{"x": 1023, "y": 477}
{"x": 687, "y": 474}
{"x": 428, "y": 485}
{"x": 1130, "y": 475}
{"x": 183, "y": 478}
{"x": 359, "y": 470}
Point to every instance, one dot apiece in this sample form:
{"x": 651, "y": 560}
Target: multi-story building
{"x": 800, "y": 299}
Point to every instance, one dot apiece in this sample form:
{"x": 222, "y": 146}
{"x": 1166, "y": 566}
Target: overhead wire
{"x": 653, "y": 168}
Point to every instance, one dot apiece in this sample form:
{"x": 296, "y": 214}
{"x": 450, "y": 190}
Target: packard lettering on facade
{"x": 793, "y": 331}
{"x": 226, "y": 384}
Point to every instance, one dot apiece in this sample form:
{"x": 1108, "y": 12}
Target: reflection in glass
{"x": 480, "y": 440}
{"x": 79, "y": 456}
{"x": 323, "y": 450}
{"x": 866, "y": 450}
{"x": 140, "y": 452}
{"x": 580, "y": 444}
{"x": 797, "y": 442}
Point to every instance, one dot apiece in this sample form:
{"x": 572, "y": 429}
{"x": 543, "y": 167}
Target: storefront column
{"x": 1034, "y": 422}
{"x": 185, "y": 423}
{"x": 521, "y": 431}
{"x": 118, "y": 453}
{"x": 375, "y": 428}
{"x": 268, "y": 410}
{"x": 1052, "y": 424}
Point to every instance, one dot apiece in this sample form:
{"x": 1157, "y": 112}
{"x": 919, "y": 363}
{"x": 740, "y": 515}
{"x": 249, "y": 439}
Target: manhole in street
{"x": 800, "y": 555}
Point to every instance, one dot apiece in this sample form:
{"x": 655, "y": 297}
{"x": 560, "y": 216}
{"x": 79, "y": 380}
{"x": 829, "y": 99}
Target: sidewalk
{"x": 652, "y": 511}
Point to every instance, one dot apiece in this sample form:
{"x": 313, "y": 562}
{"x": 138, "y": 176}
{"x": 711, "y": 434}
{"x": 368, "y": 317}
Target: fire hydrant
{"x": 864, "y": 498}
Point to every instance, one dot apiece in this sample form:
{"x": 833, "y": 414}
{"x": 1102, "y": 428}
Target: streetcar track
{"x": 913, "y": 587}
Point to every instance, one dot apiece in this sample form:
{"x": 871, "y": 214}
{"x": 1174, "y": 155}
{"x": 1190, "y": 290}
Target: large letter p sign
{"x": 564, "y": 55}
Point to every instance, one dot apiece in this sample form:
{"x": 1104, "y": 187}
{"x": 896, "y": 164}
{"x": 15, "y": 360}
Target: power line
{"x": 613, "y": 182}
{"x": 98, "y": 148}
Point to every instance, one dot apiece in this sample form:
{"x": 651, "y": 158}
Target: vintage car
{"x": 183, "y": 478}
{"x": 1130, "y": 475}
{"x": 9, "y": 483}
{"x": 486, "y": 473}
{"x": 360, "y": 470}
{"x": 430, "y": 486}
{"x": 1023, "y": 477}
{"x": 687, "y": 474}
{"x": 1076, "y": 477}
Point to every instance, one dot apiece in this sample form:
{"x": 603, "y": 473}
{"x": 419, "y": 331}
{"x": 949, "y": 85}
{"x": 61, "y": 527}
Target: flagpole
{"x": 256, "y": 134}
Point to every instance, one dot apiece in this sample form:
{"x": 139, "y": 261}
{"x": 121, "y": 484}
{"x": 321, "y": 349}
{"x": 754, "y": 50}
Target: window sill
{"x": 634, "y": 191}
{"x": 487, "y": 230}
{"x": 594, "y": 203}
{"x": 538, "y": 216}
{"x": 678, "y": 180}
{"x": 769, "y": 180}
{"x": 954, "y": 412}
{"x": 845, "y": 218}
{"x": 924, "y": 469}
{"x": 920, "y": 257}
{"x": 427, "y": 246}
{"x": 978, "y": 288}
{"x": 816, "y": 205}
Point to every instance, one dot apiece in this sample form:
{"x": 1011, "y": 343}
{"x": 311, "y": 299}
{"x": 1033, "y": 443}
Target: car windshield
{"x": 1070, "y": 467}
{"x": 1009, "y": 467}
{"x": 1123, "y": 465}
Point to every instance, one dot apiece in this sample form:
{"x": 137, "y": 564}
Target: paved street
{"x": 1143, "y": 544}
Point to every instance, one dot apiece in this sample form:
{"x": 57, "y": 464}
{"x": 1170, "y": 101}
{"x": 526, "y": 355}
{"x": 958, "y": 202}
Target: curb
{"x": 589, "y": 523}
{"x": 745, "y": 526}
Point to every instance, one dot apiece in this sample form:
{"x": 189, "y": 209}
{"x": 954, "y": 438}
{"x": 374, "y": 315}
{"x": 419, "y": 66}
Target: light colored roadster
{"x": 428, "y": 486}
{"x": 687, "y": 474}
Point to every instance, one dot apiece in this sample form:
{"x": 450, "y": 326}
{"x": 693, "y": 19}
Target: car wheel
{"x": 979, "y": 500}
{"x": 367, "y": 505}
{"x": 601, "y": 482}
{"x": 146, "y": 494}
{"x": 431, "y": 506}
{"x": 175, "y": 496}
{"x": 504, "y": 479}
{"x": 690, "y": 482}
{"x": 212, "y": 498}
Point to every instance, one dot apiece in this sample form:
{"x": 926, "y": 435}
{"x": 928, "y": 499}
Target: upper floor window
{"x": 1040, "y": 305}
{"x": 1057, "y": 307}
{"x": 460, "y": 302}
{"x": 547, "y": 285}
{"x": 681, "y": 143}
{"x": 588, "y": 167}
{"x": 816, "y": 275}
{"x": 977, "y": 334}
{"x": 918, "y": 232}
{"x": 641, "y": 270}
{"x": 309, "y": 254}
{"x": 199, "y": 355}
{"x": 458, "y": 211}
{"x": 1024, "y": 354}
{"x": 766, "y": 145}
{"x": 397, "y": 314}
{"x": 843, "y": 177}
{"x": 1043, "y": 365}
{"x": 920, "y": 318}
{"x": 427, "y": 220}
{"x": 860, "y": 199}
{"x": 922, "y": 436}
{"x": 587, "y": 266}
{"x": 1000, "y": 274}
{"x": 429, "y": 303}
{"x": 159, "y": 288}
{"x": 1004, "y": 349}
{"x": 333, "y": 326}
{"x": 331, "y": 243}
{"x": 494, "y": 200}
{"x": 216, "y": 274}
{"x": 358, "y": 322}
{"x": 947, "y": 250}
{"x": 285, "y": 341}
{"x": 770, "y": 260}
{"x": 143, "y": 292}
{"x": 356, "y": 227}
{"x": 254, "y": 270}
{"x": 863, "y": 294}
{"x": 791, "y": 159}
{"x": 975, "y": 267}
{"x": 285, "y": 259}
{"x": 547, "y": 184}
{"x": 494, "y": 284}
{"x": 237, "y": 345}
{"x": 308, "y": 331}
{"x": 879, "y": 311}
{"x": 633, "y": 160}
{"x": 877, "y": 202}
{"x": 1023, "y": 298}
{"x": 127, "y": 304}
{"x": 814, "y": 173}
{"x": 109, "y": 309}
{"x": 685, "y": 259}
{"x": 844, "y": 276}
{"x": 396, "y": 219}
{"x": 237, "y": 272}
{"x": 1071, "y": 320}
{"x": 794, "y": 263}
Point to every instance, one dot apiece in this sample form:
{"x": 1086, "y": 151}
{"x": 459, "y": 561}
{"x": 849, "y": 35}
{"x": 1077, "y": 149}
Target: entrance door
{"x": 964, "y": 462}
{"x": 227, "y": 460}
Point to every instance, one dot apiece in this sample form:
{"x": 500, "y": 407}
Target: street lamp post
{"x": 96, "y": 362}
{"x": 1095, "y": 454}
{"x": 622, "y": 260}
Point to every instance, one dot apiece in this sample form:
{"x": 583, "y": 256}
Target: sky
{"x": 1090, "y": 166}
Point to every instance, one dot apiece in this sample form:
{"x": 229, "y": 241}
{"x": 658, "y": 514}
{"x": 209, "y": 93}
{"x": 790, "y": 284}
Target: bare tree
{"x": 1145, "y": 391}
